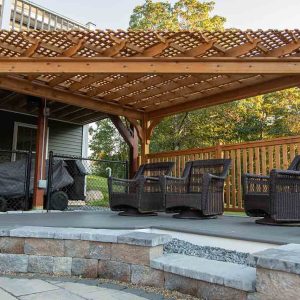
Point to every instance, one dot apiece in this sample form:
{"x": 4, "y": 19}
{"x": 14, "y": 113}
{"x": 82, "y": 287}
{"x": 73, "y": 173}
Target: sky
{"x": 242, "y": 14}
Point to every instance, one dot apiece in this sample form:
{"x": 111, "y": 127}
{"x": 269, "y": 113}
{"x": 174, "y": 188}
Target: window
{"x": 24, "y": 138}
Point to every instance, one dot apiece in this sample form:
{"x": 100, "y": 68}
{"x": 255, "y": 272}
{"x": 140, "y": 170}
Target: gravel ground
{"x": 213, "y": 253}
{"x": 87, "y": 208}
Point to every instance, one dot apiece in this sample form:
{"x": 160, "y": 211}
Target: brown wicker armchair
{"x": 199, "y": 193}
{"x": 141, "y": 195}
{"x": 275, "y": 197}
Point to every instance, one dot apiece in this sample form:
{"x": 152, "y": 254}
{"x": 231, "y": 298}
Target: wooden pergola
{"x": 84, "y": 76}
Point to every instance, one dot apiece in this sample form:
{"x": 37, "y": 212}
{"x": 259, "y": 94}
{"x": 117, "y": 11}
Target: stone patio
{"x": 12, "y": 288}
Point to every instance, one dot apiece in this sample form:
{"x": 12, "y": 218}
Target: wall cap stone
{"x": 217, "y": 272}
{"x": 144, "y": 239}
{"x": 285, "y": 258}
{"x": 130, "y": 237}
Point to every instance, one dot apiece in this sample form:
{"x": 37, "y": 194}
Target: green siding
{"x": 64, "y": 138}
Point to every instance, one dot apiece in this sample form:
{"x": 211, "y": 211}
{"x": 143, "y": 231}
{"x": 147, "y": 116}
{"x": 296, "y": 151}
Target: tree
{"x": 107, "y": 144}
{"x": 268, "y": 116}
{"x": 183, "y": 15}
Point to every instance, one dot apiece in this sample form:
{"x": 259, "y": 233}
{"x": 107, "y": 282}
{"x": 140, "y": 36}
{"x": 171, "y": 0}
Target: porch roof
{"x": 147, "y": 75}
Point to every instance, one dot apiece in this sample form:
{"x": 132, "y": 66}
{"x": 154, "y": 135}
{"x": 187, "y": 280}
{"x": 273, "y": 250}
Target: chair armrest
{"x": 212, "y": 176}
{"x": 247, "y": 175}
{"x": 122, "y": 180}
{"x": 150, "y": 178}
{"x": 285, "y": 172}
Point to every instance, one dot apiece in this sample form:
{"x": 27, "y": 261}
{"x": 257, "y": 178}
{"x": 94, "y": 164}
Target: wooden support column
{"x": 133, "y": 153}
{"x": 144, "y": 130}
{"x": 131, "y": 138}
{"x": 40, "y": 159}
{"x": 145, "y": 141}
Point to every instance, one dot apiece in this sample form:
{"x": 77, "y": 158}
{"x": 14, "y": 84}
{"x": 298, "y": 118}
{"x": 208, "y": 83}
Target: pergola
{"x": 84, "y": 76}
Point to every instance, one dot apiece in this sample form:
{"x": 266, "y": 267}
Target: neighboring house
{"x": 20, "y": 128}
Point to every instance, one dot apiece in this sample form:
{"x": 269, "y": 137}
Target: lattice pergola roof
{"x": 146, "y": 74}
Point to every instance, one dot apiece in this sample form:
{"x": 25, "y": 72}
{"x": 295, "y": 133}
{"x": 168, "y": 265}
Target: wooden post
{"x": 219, "y": 150}
{"x": 131, "y": 138}
{"x": 145, "y": 141}
{"x": 40, "y": 159}
{"x": 133, "y": 153}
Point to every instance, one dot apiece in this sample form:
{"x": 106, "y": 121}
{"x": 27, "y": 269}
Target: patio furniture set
{"x": 199, "y": 192}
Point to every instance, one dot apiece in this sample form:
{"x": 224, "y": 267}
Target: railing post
{"x": 219, "y": 153}
{"x": 5, "y": 15}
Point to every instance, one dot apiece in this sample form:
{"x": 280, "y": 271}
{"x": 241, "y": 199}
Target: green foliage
{"x": 262, "y": 117}
{"x": 98, "y": 183}
{"x": 184, "y": 15}
{"x": 107, "y": 144}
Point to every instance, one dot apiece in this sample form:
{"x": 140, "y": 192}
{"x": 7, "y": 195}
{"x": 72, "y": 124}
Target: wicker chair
{"x": 275, "y": 197}
{"x": 199, "y": 193}
{"x": 141, "y": 195}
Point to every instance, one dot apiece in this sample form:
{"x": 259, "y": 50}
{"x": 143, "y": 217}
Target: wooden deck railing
{"x": 257, "y": 157}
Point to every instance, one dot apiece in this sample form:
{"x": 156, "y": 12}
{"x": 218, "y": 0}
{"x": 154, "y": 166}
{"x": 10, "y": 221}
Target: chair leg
{"x": 133, "y": 212}
{"x": 192, "y": 214}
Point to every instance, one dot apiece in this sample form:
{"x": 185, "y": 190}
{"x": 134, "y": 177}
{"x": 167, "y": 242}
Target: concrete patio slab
{"x": 20, "y": 288}
{"x": 243, "y": 228}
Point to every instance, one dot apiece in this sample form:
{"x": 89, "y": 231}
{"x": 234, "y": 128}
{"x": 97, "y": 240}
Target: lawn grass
{"x": 235, "y": 213}
{"x": 98, "y": 183}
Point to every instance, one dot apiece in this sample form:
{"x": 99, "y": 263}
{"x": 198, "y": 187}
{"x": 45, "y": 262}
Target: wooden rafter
{"x": 112, "y": 84}
{"x": 28, "y": 88}
{"x": 284, "y": 50}
{"x": 141, "y": 85}
{"x": 89, "y": 80}
{"x": 242, "y": 93}
{"x": 59, "y": 79}
{"x": 70, "y": 52}
{"x": 186, "y": 90}
{"x": 31, "y": 50}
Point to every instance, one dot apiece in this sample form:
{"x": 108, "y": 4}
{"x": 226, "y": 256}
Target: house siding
{"x": 64, "y": 138}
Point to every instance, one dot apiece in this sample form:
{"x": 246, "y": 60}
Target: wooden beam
{"x": 114, "y": 50}
{"x": 74, "y": 49}
{"x": 138, "y": 127}
{"x": 31, "y": 50}
{"x": 242, "y": 49}
{"x": 28, "y": 88}
{"x": 284, "y": 50}
{"x": 199, "y": 50}
{"x": 215, "y": 65}
{"x": 237, "y": 94}
{"x": 123, "y": 130}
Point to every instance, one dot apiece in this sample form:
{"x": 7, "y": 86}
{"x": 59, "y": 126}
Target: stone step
{"x": 216, "y": 272}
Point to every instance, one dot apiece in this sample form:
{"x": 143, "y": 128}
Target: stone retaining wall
{"x": 137, "y": 257}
